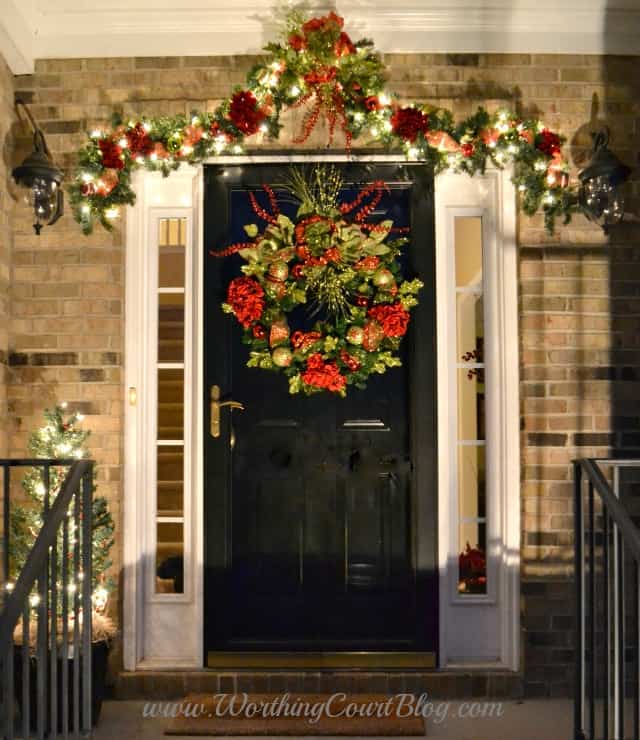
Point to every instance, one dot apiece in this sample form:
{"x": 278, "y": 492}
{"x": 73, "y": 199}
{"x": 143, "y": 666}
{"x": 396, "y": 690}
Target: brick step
{"x": 146, "y": 685}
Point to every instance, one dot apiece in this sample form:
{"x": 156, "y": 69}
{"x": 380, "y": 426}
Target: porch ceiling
{"x": 40, "y": 29}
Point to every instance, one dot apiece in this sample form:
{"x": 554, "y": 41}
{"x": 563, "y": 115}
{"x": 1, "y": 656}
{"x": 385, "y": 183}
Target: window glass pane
{"x": 170, "y": 559}
{"x": 171, "y": 267}
{"x": 170, "y": 480}
{"x": 471, "y": 419}
{"x": 472, "y": 506}
{"x": 468, "y": 235}
{"x": 171, "y": 327}
{"x": 170, "y": 404}
{"x": 470, "y": 327}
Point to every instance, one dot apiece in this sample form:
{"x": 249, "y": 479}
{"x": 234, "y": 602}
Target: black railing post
{"x": 592, "y": 613}
{"x": 6, "y": 508}
{"x": 87, "y": 525}
{"x": 606, "y": 567}
{"x": 578, "y": 720}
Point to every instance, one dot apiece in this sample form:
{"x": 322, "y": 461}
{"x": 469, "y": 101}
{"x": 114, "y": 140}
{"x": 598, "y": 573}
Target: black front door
{"x": 320, "y": 512}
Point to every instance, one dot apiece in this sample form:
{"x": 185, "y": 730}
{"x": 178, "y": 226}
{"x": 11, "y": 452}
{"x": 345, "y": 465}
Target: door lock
{"x": 216, "y": 405}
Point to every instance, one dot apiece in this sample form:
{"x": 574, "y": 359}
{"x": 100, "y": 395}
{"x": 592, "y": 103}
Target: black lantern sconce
{"x": 41, "y": 178}
{"x": 600, "y": 197}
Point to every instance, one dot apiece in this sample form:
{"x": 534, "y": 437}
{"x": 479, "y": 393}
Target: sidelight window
{"x": 170, "y": 376}
{"x": 470, "y": 381}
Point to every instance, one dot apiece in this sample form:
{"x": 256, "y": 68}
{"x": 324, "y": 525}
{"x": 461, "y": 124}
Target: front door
{"x": 320, "y": 512}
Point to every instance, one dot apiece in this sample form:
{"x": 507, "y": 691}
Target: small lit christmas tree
{"x": 60, "y": 438}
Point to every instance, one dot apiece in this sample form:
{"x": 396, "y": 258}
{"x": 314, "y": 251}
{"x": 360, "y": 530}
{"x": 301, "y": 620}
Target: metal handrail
{"x": 72, "y": 507}
{"x": 12, "y": 610}
{"x": 602, "y": 537}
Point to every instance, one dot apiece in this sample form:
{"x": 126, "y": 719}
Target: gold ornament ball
{"x": 282, "y": 356}
{"x": 383, "y": 278}
{"x": 279, "y": 270}
{"x": 373, "y": 336}
{"x": 355, "y": 335}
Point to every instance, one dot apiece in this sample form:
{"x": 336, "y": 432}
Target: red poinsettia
{"x": 472, "y": 568}
{"x": 321, "y": 374}
{"x": 467, "y": 150}
{"x": 297, "y": 42}
{"x": 111, "y": 154}
{"x": 407, "y": 123}
{"x": 344, "y": 46}
{"x": 393, "y": 318}
{"x": 548, "y": 142}
{"x": 331, "y": 22}
{"x": 322, "y": 76}
{"x": 140, "y": 144}
{"x": 244, "y": 112}
{"x": 246, "y": 298}
{"x": 304, "y": 339}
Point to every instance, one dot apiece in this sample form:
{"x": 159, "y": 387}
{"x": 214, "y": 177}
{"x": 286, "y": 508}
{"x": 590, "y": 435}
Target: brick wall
{"x": 7, "y": 119}
{"x": 579, "y": 312}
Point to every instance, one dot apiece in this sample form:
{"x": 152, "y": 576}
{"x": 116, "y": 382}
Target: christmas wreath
{"x": 318, "y": 67}
{"x": 331, "y": 264}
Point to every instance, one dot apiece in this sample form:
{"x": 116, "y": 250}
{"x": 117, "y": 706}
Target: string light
{"x": 522, "y": 188}
{"x": 86, "y": 177}
{"x": 123, "y": 143}
{"x": 147, "y": 126}
{"x": 358, "y": 116}
{"x": 374, "y": 132}
{"x": 9, "y": 586}
{"x": 34, "y": 600}
{"x": 549, "y": 199}
{"x": 112, "y": 213}
{"x": 86, "y": 209}
{"x": 294, "y": 91}
{"x": 96, "y": 133}
{"x": 384, "y": 99}
{"x": 540, "y": 165}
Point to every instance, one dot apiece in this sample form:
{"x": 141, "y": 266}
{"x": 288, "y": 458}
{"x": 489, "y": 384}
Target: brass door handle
{"x": 216, "y": 405}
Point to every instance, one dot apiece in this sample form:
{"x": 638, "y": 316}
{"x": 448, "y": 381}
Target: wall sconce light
{"x": 41, "y": 178}
{"x": 600, "y": 197}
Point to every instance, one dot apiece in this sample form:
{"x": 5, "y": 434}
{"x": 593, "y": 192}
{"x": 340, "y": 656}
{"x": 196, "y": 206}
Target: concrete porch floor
{"x": 551, "y": 719}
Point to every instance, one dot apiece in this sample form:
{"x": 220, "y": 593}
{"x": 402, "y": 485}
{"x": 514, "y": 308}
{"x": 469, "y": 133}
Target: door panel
{"x": 320, "y": 511}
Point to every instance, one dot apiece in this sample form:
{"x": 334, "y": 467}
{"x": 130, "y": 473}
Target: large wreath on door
{"x": 342, "y": 268}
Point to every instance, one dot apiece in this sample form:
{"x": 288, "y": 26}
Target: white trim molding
{"x": 49, "y": 29}
{"x": 480, "y": 629}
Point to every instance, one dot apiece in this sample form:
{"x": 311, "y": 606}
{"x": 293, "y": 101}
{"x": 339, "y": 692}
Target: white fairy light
{"x": 237, "y": 149}
{"x": 294, "y": 91}
{"x": 86, "y": 209}
{"x": 186, "y": 149}
{"x": 541, "y": 126}
{"x": 96, "y": 133}
{"x": 40, "y": 489}
{"x": 384, "y": 99}
{"x": 153, "y": 156}
{"x": 358, "y": 116}
{"x": 64, "y": 405}
{"x": 140, "y": 159}
{"x": 123, "y": 143}
{"x": 195, "y": 121}
{"x": 100, "y": 598}
{"x": 502, "y": 128}
{"x": 264, "y": 128}
{"x": 86, "y": 177}
{"x": 412, "y": 152}
{"x": 9, "y": 586}
{"x": 79, "y": 454}
{"x": 374, "y": 132}
{"x": 72, "y": 588}
{"x": 34, "y": 600}
{"x": 112, "y": 213}
{"x": 387, "y": 126}
{"x": 492, "y": 144}
{"x": 512, "y": 149}
{"x": 146, "y": 126}
{"x": 549, "y": 199}
{"x": 522, "y": 188}
{"x": 540, "y": 165}
{"x": 80, "y": 417}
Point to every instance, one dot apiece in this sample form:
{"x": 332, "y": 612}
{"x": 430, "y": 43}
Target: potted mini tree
{"x": 62, "y": 438}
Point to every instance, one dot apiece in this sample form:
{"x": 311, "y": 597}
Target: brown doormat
{"x": 295, "y": 714}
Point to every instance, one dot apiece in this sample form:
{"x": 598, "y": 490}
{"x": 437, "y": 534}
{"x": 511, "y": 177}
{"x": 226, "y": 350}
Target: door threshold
{"x": 321, "y": 660}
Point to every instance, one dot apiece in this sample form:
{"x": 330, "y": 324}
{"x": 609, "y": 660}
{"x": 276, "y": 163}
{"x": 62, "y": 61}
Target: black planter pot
{"x": 99, "y": 658}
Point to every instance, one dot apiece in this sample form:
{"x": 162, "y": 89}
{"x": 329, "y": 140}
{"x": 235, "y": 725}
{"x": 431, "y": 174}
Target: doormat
{"x": 295, "y": 714}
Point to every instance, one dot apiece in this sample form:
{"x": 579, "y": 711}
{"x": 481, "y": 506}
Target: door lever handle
{"x": 216, "y": 405}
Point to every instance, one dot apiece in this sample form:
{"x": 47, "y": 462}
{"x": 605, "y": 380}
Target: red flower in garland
{"x": 344, "y": 46}
{"x": 372, "y": 103}
{"x": 407, "y": 123}
{"x": 304, "y": 339}
{"x": 467, "y": 150}
{"x": 369, "y": 263}
{"x": 244, "y": 112}
{"x": 259, "y": 332}
{"x": 111, "y": 154}
{"x": 331, "y": 22}
{"x": 393, "y": 318}
{"x": 322, "y": 374}
{"x": 297, "y": 42}
{"x": 139, "y": 141}
{"x": 548, "y": 142}
{"x": 246, "y": 298}
{"x": 322, "y": 77}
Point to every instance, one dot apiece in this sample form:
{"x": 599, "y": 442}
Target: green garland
{"x": 317, "y": 67}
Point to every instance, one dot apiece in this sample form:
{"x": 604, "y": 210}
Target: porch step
{"x": 147, "y": 685}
